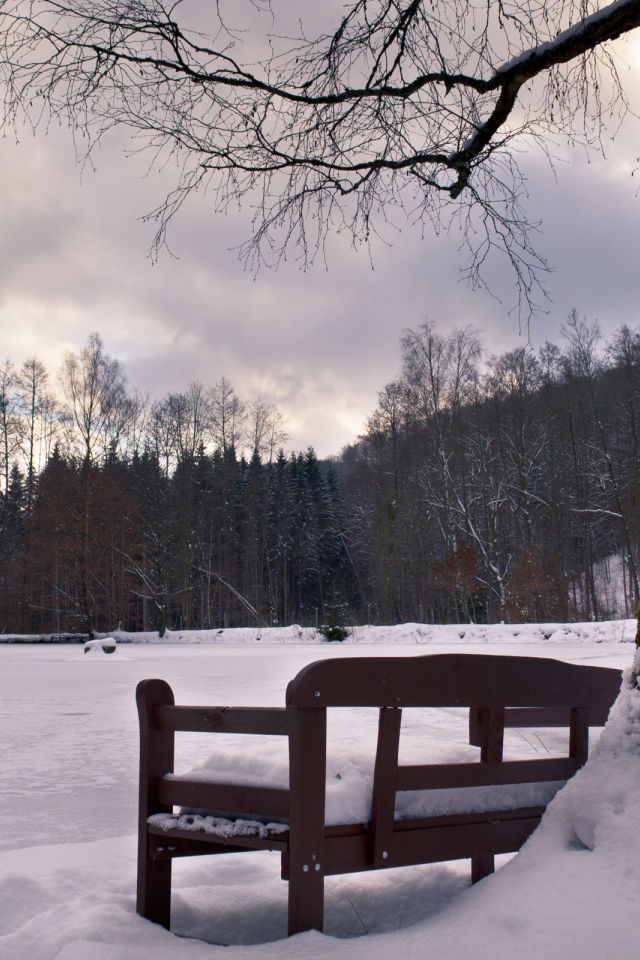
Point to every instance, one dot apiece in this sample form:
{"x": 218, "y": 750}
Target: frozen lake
{"x": 70, "y": 730}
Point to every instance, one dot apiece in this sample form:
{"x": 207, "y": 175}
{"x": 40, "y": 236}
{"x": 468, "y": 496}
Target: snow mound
{"x": 103, "y": 649}
{"x": 605, "y": 631}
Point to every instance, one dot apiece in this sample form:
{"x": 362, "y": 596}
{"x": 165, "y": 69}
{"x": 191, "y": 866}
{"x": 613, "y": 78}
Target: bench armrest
{"x": 270, "y": 721}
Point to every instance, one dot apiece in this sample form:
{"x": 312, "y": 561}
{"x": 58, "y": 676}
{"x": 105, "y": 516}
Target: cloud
{"x": 319, "y": 343}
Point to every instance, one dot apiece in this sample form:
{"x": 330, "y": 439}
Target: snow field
{"x": 69, "y": 780}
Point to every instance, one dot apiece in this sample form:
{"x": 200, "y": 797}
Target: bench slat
{"x": 550, "y": 716}
{"x": 440, "y": 776}
{"x": 452, "y": 680}
{"x": 456, "y": 819}
{"x": 384, "y": 785}
{"x": 196, "y": 843}
{"x": 224, "y": 797}
{"x": 269, "y": 721}
{"x": 161, "y": 848}
{"x": 349, "y": 854}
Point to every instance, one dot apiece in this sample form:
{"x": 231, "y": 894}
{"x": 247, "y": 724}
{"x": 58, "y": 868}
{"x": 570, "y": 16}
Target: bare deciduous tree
{"x": 191, "y": 419}
{"x": 94, "y": 387}
{"x": 397, "y": 104}
{"x": 266, "y": 430}
{"x": 11, "y": 427}
{"x": 228, "y": 416}
{"x": 38, "y": 411}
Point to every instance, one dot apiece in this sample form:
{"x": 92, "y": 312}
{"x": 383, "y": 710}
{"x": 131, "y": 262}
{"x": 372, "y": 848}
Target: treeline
{"x": 504, "y": 490}
{"x": 221, "y": 541}
{"x": 500, "y": 488}
{"x": 181, "y": 512}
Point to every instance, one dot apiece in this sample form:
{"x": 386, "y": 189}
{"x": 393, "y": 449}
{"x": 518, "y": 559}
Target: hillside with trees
{"x": 482, "y": 488}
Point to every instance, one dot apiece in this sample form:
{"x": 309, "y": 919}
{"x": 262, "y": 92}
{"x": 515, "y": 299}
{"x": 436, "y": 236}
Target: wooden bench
{"x": 499, "y": 692}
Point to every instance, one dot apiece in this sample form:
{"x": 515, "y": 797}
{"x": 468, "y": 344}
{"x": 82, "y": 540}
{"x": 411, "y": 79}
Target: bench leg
{"x": 154, "y": 889}
{"x": 481, "y": 866}
{"x": 156, "y": 759}
{"x": 307, "y": 773}
{"x": 306, "y": 900}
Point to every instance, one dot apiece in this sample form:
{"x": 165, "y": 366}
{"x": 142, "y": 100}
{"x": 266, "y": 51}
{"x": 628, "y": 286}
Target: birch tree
{"x": 11, "y": 426}
{"x": 94, "y": 387}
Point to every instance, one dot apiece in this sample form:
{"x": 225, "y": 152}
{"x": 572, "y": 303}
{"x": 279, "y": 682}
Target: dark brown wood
{"x": 579, "y": 736}
{"x": 307, "y": 776}
{"x": 384, "y": 786}
{"x": 550, "y": 716}
{"x": 452, "y": 680}
{"x": 456, "y": 819}
{"x": 482, "y": 864}
{"x": 346, "y": 845}
{"x": 350, "y": 854}
{"x": 459, "y": 842}
{"x": 224, "y": 798}
{"x": 153, "y": 899}
{"x": 491, "y": 730}
{"x": 535, "y": 717}
{"x": 475, "y": 715}
{"x": 441, "y": 776}
{"x": 168, "y": 846}
{"x": 491, "y": 734}
{"x": 269, "y": 721}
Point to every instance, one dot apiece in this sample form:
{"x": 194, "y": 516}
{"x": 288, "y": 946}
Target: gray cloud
{"x": 320, "y": 343}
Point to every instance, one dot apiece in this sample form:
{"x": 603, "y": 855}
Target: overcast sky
{"x": 321, "y": 343}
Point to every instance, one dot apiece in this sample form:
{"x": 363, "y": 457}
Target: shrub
{"x": 332, "y": 634}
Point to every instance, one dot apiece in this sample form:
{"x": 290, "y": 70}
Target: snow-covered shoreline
{"x": 605, "y": 631}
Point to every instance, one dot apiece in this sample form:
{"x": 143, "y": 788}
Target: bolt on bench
{"x": 499, "y": 691}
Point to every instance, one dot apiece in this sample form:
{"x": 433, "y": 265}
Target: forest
{"x": 482, "y": 488}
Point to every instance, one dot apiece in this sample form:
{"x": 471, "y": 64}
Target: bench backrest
{"x": 452, "y": 680}
{"x": 499, "y": 692}
{"x": 492, "y": 687}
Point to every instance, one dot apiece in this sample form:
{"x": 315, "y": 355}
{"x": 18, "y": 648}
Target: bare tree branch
{"x": 406, "y": 106}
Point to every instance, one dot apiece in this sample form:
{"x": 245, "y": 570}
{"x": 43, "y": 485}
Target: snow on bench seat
{"x": 215, "y": 826}
{"x": 349, "y": 785}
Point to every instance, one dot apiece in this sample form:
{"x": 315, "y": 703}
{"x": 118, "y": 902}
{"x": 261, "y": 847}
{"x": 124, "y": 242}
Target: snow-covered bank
{"x": 605, "y": 631}
{"x": 69, "y": 773}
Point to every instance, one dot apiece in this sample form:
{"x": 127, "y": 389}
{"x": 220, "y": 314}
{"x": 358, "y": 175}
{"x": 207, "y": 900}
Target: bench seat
{"x": 420, "y": 840}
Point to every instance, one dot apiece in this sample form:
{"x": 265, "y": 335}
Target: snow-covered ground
{"x": 68, "y": 782}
